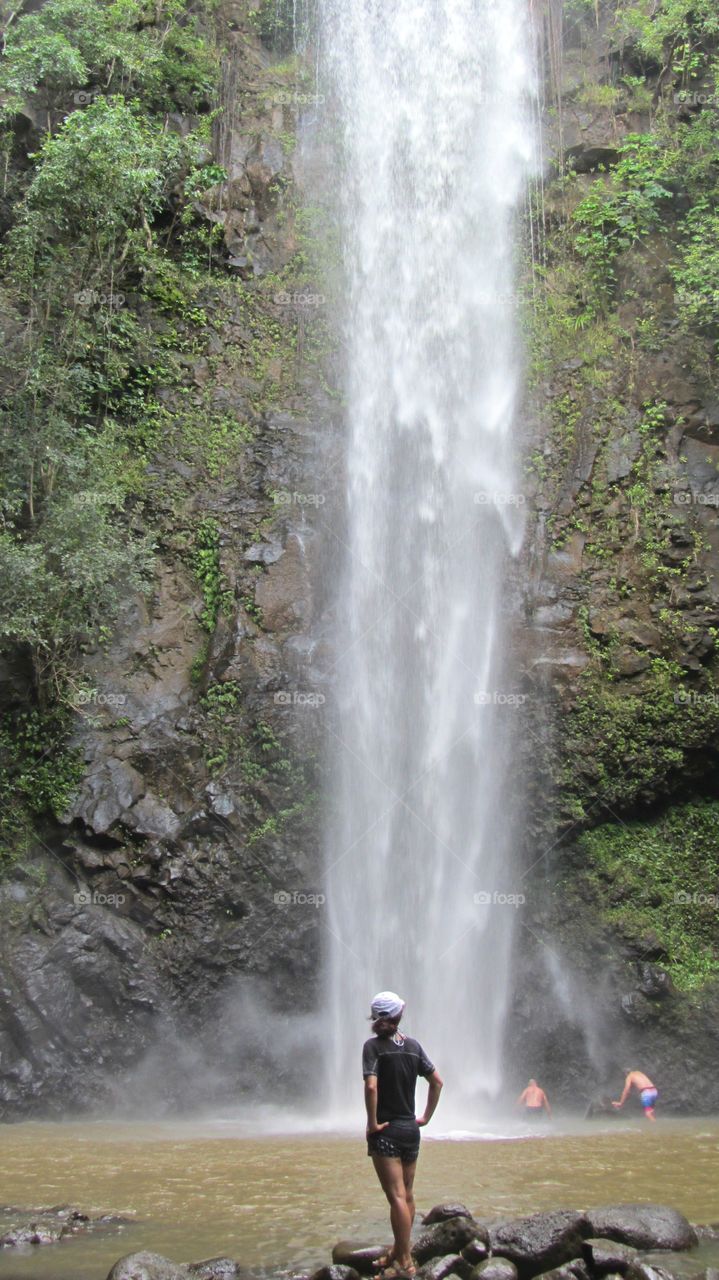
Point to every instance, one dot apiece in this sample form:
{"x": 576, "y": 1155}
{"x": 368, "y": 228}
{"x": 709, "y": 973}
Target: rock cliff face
{"x": 618, "y": 957}
{"x": 179, "y": 891}
{"x": 171, "y": 917}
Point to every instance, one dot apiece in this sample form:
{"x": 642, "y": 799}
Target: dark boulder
{"x": 540, "y": 1242}
{"x": 648, "y": 1271}
{"x": 147, "y": 1266}
{"x": 441, "y": 1268}
{"x": 495, "y": 1269}
{"x": 446, "y": 1237}
{"x": 606, "y": 1256}
{"x": 575, "y": 1270}
{"x": 645, "y": 1226}
{"x": 350, "y": 1253}
{"x": 336, "y": 1272}
{"x": 476, "y": 1251}
{"x": 441, "y": 1212}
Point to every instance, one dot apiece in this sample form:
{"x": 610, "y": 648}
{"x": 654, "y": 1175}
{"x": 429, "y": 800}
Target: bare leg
{"x": 389, "y": 1172}
{"x": 408, "y": 1172}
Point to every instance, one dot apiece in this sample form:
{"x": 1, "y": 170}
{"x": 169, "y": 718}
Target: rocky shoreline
{"x": 611, "y": 1242}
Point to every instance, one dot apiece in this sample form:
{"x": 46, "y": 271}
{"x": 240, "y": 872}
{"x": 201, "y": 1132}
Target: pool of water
{"x": 196, "y": 1189}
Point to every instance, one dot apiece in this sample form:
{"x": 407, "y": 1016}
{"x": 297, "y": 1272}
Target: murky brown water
{"x": 202, "y": 1189}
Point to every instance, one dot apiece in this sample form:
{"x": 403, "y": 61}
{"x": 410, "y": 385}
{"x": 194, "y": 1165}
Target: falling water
{"x": 431, "y": 96}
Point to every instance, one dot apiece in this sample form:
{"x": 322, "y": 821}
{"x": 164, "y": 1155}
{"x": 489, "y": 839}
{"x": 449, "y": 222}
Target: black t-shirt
{"x": 396, "y": 1067}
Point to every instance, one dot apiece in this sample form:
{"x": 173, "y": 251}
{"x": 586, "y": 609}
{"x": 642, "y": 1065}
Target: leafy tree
{"x": 71, "y": 50}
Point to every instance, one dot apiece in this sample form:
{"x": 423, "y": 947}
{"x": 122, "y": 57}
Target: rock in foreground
{"x": 541, "y": 1242}
{"x": 148, "y": 1266}
{"x": 441, "y": 1212}
{"x": 449, "y": 1236}
{"x": 608, "y": 1257}
{"x": 350, "y": 1253}
{"x": 644, "y": 1226}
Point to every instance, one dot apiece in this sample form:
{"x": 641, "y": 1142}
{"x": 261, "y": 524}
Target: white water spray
{"x": 432, "y": 97}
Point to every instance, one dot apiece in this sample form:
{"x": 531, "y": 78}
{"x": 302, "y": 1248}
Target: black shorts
{"x": 400, "y": 1139}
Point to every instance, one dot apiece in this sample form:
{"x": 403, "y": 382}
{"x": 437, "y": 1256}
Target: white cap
{"x": 387, "y": 1004}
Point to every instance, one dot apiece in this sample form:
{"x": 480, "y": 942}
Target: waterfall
{"x": 431, "y": 98}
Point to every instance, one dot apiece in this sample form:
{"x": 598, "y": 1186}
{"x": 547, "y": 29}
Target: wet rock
{"x": 584, "y": 159}
{"x": 645, "y": 1226}
{"x": 495, "y": 1269}
{"x": 147, "y": 1266}
{"x": 263, "y": 552}
{"x": 540, "y": 1242}
{"x": 446, "y": 1237}
{"x": 336, "y": 1272}
{"x": 654, "y": 982}
{"x": 216, "y": 1269}
{"x": 605, "y": 1256}
{"x": 621, "y": 456}
{"x": 40, "y": 1233}
{"x": 636, "y": 1008}
{"x": 350, "y": 1253}
{"x": 109, "y": 791}
{"x": 575, "y": 1270}
{"x": 642, "y": 634}
{"x": 476, "y": 1251}
{"x": 440, "y": 1268}
{"x": 441, "y": 1212}
{"x": 48, "y": 1226}
{"x": 648, "y": 1271}
{"x": 629, "y": 663}
{"x": 283, "y": 594}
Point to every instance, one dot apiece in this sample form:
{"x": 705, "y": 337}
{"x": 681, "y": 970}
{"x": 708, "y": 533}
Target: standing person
{"x": 648, "y": 1093}
{"x": 391, "y": 1063}
{"x": 534, "y": 1100}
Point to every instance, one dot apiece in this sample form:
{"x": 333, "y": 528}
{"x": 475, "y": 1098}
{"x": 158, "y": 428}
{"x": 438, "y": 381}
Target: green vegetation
{"x": 38, "y": 775}
{"x": 72, "y": 51}
{"x": 95, "y": 220}
{"x": 660, "y": 879}
{"x": 628, "y": 269}
{"x": 625, "y": 745}
{"x": 215, "y": 594}
{"x": 274, "y": 22}
{"x": 619, "y": 210}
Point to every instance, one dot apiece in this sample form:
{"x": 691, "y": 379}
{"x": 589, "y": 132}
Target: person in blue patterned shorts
{"x": 648, "y": 1092}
